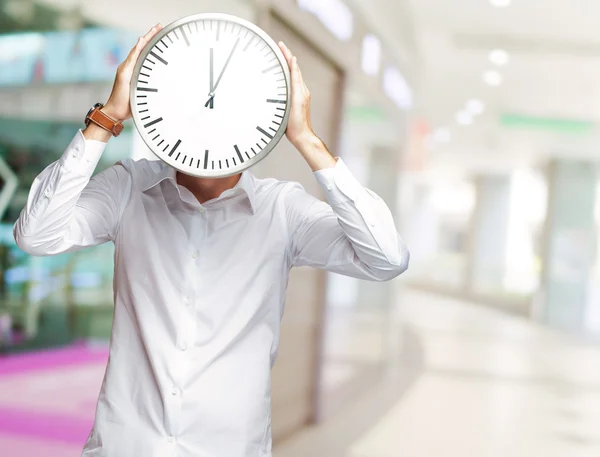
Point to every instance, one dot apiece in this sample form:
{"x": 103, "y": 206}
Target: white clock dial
{"x": 210, "y": 95}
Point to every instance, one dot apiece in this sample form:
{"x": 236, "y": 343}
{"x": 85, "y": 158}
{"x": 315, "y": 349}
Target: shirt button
{"x": 183, "y": 346}
{"x": 174, "y": 391}
{"x": 47, "y": 193}
{"x": 170, "y": 439}
{"x": 187, "y": 300}
{"x": 195, "y": 254}
{"x": 201, "y": 209}
{"x": 329, "y": 187}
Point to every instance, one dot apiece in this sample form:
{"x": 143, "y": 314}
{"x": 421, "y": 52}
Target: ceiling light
{"x": 499, "y": 57}
{"x": 492, "y": 78}
{"x": 475, "y": 107}
{"x": 500, "y": 3}
{"x": 371, "y": 54}
{"x": 442, "y": 135}
{"x": 396, "y": 88}
{"x": 334, "y": 14}
{"x": 464, "y": 118}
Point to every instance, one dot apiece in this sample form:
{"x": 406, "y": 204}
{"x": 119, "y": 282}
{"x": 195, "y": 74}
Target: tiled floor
{"x": 483, "y": 384}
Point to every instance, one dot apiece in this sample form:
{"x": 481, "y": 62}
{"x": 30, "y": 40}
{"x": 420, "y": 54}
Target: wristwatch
{"x": 103, "y": 120}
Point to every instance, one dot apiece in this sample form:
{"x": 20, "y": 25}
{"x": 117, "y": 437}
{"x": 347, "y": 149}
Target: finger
{"x": 296, "y": 74}
{"x": 284, "y": 49}
{"x": 298, "y": 78}
{"x": 153, "y": 31}
{"x": 286, "y": 53}
{"x": 142, "y": 41}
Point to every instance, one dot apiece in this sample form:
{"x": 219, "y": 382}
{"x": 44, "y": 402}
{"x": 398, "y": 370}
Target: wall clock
{"x": 210, "y": 95}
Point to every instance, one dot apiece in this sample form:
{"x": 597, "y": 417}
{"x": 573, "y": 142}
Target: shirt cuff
{"x": 339, "y": 184}
{"x": 82, "y": 155}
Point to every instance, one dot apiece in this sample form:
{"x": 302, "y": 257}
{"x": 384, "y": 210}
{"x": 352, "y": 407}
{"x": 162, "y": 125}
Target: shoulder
{"x": 292, "y": 199}
{"x": 140, "y": 166}
{"x": 142, "y": 171}
{"x": 276, "y": 189}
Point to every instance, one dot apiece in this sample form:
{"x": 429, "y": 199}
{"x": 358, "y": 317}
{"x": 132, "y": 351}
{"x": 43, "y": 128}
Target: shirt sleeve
{"x": 68, "y": 209}
{"x": 352, "y": 233}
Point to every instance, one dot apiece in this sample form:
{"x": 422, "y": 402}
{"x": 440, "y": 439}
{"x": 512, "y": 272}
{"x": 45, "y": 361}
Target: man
{"x": 201, "y": 270}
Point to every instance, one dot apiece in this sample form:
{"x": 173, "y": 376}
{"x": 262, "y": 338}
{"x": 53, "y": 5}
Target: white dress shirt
{"x": 199, "y": 289}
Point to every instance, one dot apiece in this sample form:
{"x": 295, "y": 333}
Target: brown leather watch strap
{"x": 105, "y": 121}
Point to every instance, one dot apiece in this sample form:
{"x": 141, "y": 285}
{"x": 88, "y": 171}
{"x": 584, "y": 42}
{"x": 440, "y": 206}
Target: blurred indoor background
{"x": 475, "y": 120}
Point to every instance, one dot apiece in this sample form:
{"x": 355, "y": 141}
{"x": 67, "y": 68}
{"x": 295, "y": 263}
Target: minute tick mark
{"x": 155, "y": 121}
{"x": 175, "y": 148}
{"x": 264, "y": 132}
{"x": 185, "y": 37}
{"x": 157, "y": 57}
{"x": 235, "y": 146}
{"x": 271, "y": 68}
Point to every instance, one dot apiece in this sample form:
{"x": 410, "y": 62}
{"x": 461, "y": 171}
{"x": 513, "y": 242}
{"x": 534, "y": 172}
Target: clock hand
{"x": 211, "y": 94}
{"x": 211, "y": 71}
{"x": 225, "y": 66}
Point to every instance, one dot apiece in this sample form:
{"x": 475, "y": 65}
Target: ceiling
{"x": 553, "y": 72}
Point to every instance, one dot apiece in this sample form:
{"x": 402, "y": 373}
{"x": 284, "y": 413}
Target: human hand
{"x": 299, "y": 129}
{"x": 117, "y": 105}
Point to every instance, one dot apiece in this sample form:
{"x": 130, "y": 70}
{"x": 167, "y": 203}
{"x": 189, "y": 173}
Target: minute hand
{"x": 226, "y": 63}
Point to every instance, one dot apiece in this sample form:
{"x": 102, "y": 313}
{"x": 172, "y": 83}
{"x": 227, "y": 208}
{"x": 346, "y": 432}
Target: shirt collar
{"x": 245, "y": 183}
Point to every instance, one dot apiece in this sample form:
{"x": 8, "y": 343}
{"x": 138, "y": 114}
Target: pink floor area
{"x": 47, "y": 400}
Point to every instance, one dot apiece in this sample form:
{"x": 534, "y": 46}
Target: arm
{"x": 66, "y": 208}
{"x": 353, "y": 233}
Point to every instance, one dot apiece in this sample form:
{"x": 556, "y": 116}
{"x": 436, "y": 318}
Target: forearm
{"x": 96, "y": 133}
{"x": 314, "y": 152}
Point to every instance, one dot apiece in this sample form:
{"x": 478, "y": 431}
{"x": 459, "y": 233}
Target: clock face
{"x": 210, "y": 95}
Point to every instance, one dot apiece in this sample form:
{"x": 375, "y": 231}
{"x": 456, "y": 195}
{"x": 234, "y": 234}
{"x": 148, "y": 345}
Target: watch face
{"x": 210, "y": 95}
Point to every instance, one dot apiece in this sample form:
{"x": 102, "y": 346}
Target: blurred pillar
{"x": 420, "y": 225}
{"x": 486, "y": 261}
{"x": 383, "y": 180}
{"x": 568, "y": 243}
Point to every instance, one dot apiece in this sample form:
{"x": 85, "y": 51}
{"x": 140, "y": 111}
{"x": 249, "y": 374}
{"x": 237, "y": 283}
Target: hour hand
{"x": 210, "y": 102}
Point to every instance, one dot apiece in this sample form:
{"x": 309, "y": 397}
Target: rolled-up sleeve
{"x": 68, "y": 209}
{"x": 352, "y": 233}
